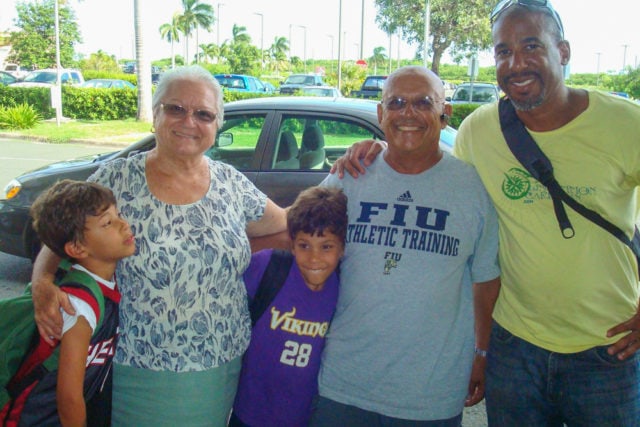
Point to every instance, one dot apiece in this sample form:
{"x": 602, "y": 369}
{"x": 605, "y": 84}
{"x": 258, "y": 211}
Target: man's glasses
{"x": 539, "y": 4}
{"x": 180, "y": 112}
{"x": 425, "y": 103}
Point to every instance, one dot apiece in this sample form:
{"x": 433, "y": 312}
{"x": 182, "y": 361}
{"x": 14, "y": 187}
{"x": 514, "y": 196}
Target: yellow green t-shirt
{"x": 563, "y": 294}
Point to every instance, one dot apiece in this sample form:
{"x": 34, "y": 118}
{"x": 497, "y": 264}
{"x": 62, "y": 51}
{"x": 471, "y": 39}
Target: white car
{"x": 15, "y": 70}
{"x": 48, "y": 77}
{"x": 319, "y": 91}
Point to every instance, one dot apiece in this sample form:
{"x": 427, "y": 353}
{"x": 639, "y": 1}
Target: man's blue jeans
{"x": 530, "y": 386}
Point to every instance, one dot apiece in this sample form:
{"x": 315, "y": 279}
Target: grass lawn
{"x": 112, "y": 131}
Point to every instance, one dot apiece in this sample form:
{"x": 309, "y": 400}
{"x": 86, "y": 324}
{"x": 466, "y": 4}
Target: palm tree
{"x": 240, "y": 34}
{"x": 278, "y": 51}
{"x": 378, "y": 57}
{"x": 143, "y": 68}
{"x": 210, "y": 51}
{"x": 195, "y": 15}
{"x": 171, "y": 33}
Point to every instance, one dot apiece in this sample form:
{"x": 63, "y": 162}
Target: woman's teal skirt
{"x": 142, "y": 397}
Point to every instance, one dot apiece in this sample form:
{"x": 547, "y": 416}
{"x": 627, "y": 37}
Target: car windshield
{"x": 317, "y": 92}
{"x": 480, "y": 94}
{"x": 231, "y": 82}
{"x": 98, "y": 83}
{"x": 299, "y": 80}
{"x": 41, "y": 77}
{"x": 373, "y": 83}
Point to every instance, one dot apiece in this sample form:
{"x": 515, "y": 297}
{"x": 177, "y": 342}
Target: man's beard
{"x": 528, "y": 104}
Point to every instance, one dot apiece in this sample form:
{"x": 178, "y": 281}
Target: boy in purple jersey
{"x": 79, "y": 221}
{"x": 280, "y": 368}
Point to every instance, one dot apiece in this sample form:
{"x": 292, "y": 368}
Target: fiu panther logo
{"x": 391, "y": 260}
{"x": 516, "y": 183}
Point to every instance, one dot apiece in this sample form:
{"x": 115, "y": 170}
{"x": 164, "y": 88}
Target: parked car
{"x": 296, "y": 81}
{"x": 282, "y": 144}
{"x": 449, "y": 88}
{"x": 108, "y": 84}
{"x": 48, "y": 77}
{"x": 241, "y": 83}
{"x": 371, "y": 87}
{"x": 475, "y": 93}
{"x": 16, "y": 71}
{"x": 320, "y": 91}
{"x": 7, "y": 78}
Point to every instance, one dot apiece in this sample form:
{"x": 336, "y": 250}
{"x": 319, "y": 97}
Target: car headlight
{"x": 12, "y": 189}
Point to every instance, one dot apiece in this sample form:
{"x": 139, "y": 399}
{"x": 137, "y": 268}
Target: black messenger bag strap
{"x": 527, "y": 151}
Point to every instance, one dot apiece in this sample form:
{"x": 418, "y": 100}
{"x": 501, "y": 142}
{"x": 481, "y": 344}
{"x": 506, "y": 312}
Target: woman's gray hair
{"x": 194, "y": 73}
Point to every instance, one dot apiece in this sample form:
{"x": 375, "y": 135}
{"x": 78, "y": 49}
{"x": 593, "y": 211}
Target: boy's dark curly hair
{"x": 60, "y": 213}
{"x": 317, "y": 209}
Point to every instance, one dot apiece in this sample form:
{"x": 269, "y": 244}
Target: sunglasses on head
{"x": 180, "y": 112}
{"x": 533, "y": 4}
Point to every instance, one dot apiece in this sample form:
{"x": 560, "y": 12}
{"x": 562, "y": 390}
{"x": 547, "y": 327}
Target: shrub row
{"x": 118, "y": 104}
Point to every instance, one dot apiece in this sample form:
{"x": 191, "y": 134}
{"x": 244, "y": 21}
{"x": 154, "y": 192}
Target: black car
{"x": 282, "y": 144}
{"x": 296, "y": 81}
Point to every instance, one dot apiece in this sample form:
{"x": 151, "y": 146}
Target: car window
{"x": 237, "y": 83}
{"x": 314, "y": 142}
{"x": 75, "y": 77}
{"x": 373, "y": 83}
{"x": 237, "y": 140}
{"x": 41, "y": 77}
{"x": 6, "y": 78}
{"x": 484, "y": 94}
{"x": 480, "y": 94}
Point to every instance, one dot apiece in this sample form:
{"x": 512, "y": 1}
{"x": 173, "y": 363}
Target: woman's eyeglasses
{"x": 180, "y": 112}
{"x": 425, "y": 103}
{"x": 540, "y": 4}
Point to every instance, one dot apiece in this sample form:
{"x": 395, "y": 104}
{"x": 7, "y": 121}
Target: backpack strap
{"x": 77, "y": 279}
{"x": 272, "y": 280}
{"x": 528, "y": 153}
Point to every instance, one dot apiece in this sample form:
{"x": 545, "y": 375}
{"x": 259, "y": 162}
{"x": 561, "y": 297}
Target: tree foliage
{"x": 100, "y": 61}
{"x": 196, "y": 14}
{"x": 35, "y": 44}
{"x": 462, "y": 25}
{"x": 171, "y": 33}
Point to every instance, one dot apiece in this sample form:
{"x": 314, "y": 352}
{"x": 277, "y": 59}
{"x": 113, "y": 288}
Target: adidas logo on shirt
{"x": 405, "y": 197}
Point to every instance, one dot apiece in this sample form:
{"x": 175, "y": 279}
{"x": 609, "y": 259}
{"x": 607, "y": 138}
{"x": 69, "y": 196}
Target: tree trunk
{"x": 143, "y": 68}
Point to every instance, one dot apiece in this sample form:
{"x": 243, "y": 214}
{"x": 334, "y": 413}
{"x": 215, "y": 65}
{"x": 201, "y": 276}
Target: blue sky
{"x": 591, "y": 27}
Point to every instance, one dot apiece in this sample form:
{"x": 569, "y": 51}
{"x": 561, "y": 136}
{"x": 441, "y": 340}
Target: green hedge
{"x": 77, "y": 103}
{"x": 120, "y": 104}
{"x": 460, "y": 111}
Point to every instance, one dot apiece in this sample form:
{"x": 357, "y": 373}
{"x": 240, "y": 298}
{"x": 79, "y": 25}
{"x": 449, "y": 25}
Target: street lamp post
{"x": 219, "y": 4}
{"x": 361, "y": 33}
{"x": 56, "y": 90}
{"x": 624, "y": 57}
{"x": 598, "y": 70}
{"x": 331, "y": 56}
{"x": 261, "y": 39}
{"x": 339, "y": 44}
{"x": 305, "y": 47}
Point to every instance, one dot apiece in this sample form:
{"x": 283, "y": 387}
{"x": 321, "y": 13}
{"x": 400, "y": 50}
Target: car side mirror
{"x": 448, "y": 99}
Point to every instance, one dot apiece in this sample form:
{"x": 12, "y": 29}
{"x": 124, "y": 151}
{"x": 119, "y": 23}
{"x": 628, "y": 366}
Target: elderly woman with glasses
{"x": 184, "y": 318}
